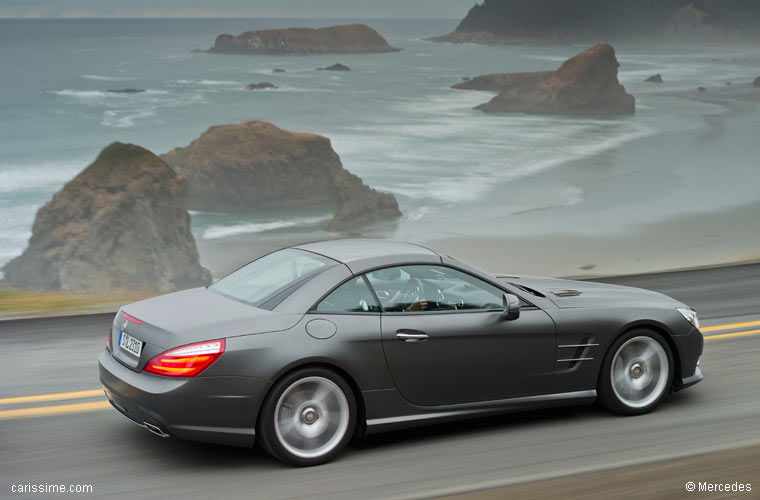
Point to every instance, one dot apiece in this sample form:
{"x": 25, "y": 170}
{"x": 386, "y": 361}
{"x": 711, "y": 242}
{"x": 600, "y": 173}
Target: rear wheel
{"x": 637, "y": 373}
{"x": 308, "y": 417}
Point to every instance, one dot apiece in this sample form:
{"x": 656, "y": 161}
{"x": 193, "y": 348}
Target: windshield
{"x": 271, "y": 275}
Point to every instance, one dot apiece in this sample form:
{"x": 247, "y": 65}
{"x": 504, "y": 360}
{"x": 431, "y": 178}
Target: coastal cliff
{"x": 120, "y": 224}
{"x": 586, "y": 84}
{"x": 254, "y": 164}
{"x": 349, "y": 38}
{"x": 529, "y": 21}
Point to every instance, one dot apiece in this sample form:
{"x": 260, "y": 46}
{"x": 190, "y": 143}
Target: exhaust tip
{"x": 158, "y": 431}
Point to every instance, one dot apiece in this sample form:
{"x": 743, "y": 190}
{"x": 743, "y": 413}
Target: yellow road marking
{"x": 732, "y": 335}
{"x": 729, "y": 327}
{"x": 54, "y": 410}
{"x": 40, "y": 398}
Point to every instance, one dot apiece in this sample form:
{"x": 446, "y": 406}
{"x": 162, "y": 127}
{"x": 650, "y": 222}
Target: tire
{"x": 308, "y": 417}
{"x": 637, "y": 373}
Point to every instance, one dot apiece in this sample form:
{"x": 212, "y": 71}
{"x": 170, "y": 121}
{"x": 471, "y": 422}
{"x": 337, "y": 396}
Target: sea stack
{"x": 121, "y": 224}
{"x": 498, "y": 82}
{"x": 359, "y": 205}
{"x": 586, "y": 84}
{"x": 255, "y": 164}
{"x": 349, "y": 38}
{"x": 261, "y": 86}
{"x": 335, "y": 67}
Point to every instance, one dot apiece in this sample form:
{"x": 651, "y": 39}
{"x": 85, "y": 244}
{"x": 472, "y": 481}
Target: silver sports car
{"x": 309, "y": 346}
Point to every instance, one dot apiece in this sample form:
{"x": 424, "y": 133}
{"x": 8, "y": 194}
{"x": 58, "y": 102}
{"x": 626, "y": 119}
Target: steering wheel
{"x": 411, "y": 292}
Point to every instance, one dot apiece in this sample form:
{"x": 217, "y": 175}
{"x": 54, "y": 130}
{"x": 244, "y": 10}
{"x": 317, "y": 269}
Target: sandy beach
{"x": 681, "y": 242}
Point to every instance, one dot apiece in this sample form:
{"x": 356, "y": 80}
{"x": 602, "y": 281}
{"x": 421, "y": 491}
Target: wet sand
{"x": 681, "y": 242}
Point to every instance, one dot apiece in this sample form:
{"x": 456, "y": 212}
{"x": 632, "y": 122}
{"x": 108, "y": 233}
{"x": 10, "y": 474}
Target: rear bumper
{"x": 219, "y": 410}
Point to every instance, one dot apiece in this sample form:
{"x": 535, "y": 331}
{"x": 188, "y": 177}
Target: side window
{"x": 432, "y": 288}
{"x": 353, "y": 296}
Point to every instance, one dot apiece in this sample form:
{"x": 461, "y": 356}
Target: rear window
{"x": 271, "y": 275}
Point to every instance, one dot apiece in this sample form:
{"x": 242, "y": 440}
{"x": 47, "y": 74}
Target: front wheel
{"x": 636, "y": 374}
{"x": 308, "y": 417}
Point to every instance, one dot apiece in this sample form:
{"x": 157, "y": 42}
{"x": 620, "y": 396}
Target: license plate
{"x": 130, "y": 344}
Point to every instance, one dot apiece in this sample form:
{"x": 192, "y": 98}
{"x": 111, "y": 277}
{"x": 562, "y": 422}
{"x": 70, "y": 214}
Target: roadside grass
{"x": 17, "y": 303}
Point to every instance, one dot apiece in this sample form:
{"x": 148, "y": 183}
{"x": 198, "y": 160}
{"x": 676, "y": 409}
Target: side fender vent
{"x": 580, "y": 352}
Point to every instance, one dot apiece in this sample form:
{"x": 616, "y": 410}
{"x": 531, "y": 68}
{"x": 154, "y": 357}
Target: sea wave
{"x": 471, "y": 157}
{"x": 544, "y": 57}
{"x": 125, "y": 110}
{"x": 108, "y": 78}
{"x": 418, "y": 213}
{"x": 210, "y": 83}
{"x": 568, "y": 197}
{"x": 125, "y": 118}
{"x": 104, "y": 96}
{"x": 44, "y": 176}
{"x": 220, "y": 231}
{"x": 15, "y": 230}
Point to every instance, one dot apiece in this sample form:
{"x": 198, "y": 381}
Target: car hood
{"x": 198, "y": 314}
{"x": 569, "y": 294}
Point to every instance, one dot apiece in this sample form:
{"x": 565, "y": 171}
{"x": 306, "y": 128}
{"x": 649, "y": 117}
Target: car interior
{"x": 417, "y": 288}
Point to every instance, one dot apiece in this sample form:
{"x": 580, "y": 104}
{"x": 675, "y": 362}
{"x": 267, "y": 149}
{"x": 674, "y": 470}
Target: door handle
{"x": 411, "y": 335}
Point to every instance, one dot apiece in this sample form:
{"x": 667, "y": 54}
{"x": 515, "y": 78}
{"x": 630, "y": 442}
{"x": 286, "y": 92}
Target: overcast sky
{"x": 448, "y": 9}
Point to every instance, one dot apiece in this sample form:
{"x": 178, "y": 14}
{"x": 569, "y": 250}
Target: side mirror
{"x": 511, "y": 306}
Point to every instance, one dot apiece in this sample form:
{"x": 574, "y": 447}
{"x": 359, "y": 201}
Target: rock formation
{"x": 360, "y": 205}
{"x": 563, "y": 21}
{"x": 503, "y": 81}
{"x": 654, "y": 79}
{"x": 350, "y": 38}
{"x": 336, "y": 67}
{"x": 586, "y": 84}
{"x": 756, "y": 83}
{"x": 120, "y": 224}
{"x": 254, "y": 164}
{"x": 261, "y": 86}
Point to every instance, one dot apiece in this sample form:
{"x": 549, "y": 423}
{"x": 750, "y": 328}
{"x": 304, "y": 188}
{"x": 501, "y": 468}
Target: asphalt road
{"x": 99, "y": 447}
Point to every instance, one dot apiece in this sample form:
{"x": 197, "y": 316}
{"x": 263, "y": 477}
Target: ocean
{"x": 393, "y": 119}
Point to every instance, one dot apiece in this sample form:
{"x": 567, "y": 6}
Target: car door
{"x": 446, "y": 339}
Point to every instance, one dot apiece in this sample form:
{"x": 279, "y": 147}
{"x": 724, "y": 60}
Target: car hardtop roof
{"x": 367, "y": 251}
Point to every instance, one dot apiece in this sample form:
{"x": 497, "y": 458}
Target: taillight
{"x": 131, "y": 318}
{"x": 186, "y": 361}
{"x": 110, "y": 346}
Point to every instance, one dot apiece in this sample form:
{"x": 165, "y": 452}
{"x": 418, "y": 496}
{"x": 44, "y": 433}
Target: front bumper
{"x": 689, "y": 348}
{"x": 689, "y": 381}
{"x": 219, "y": 410}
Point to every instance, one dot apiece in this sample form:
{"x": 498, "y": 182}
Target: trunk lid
{"x": 186, "y": 317}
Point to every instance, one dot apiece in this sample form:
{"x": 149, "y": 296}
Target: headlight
{"x": 690, "y": 315}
